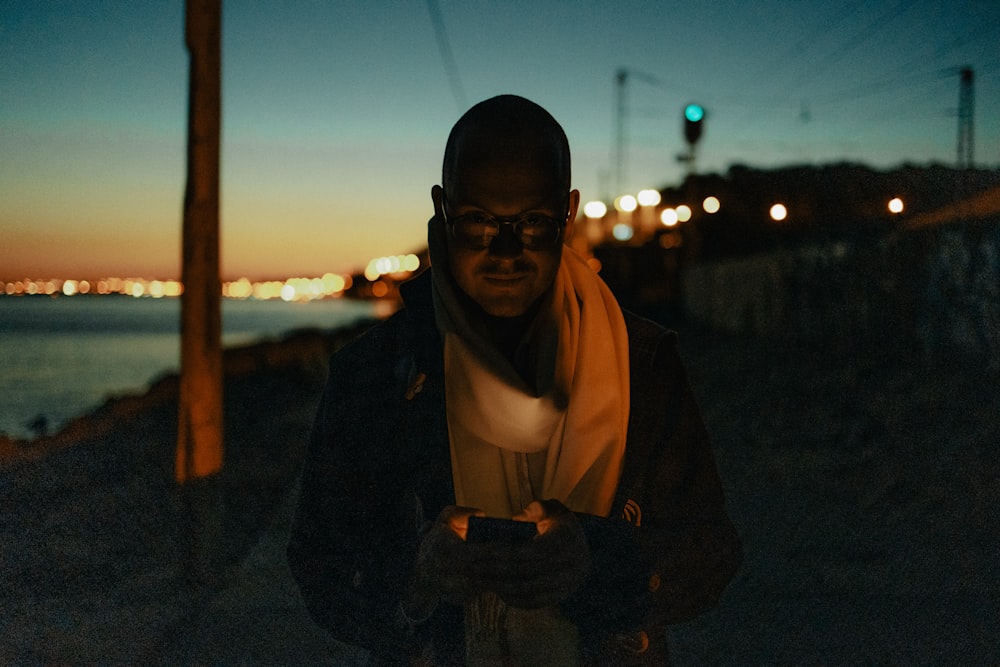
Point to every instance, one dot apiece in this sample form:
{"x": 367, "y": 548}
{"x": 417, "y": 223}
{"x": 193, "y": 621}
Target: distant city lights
{"x": 778, "y": 212}
{"x": 622, "y": 232}
{"x": 896, "y": 205}
{"x": 384, "y": 266}
{"x": 626, "y": 203}
{"x": 648, "y": 197}
{"x": 292, "y": 289}
{"x": 711, "y": 205}
{"x": 71, "y": 287}
{"x": 595, "y": 209}
{"x": 669, "y": 217}
{"x": 329, "y": 285}
{"x": 136, "y": 287}
{"x": 671, "y": 240}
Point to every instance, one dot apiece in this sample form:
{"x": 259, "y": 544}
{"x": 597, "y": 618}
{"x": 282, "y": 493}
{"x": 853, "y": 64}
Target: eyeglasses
{"x": 478, "y": 230}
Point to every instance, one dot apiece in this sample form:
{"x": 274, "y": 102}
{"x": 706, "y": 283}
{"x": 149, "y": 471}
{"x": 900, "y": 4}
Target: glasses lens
{"x": 474, "y": 231}
{"x": 537, "y": 232}
{"x": 533, "y": 232}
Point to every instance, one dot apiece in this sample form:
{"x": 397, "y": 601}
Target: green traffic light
{"x": 694, "y": 112}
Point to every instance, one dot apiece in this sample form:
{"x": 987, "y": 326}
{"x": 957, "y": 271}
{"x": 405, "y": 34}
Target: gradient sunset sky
{"x": 336, "y": 112}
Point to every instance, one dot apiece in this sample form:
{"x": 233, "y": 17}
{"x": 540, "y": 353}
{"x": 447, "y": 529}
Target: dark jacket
{"x": 379, "y": 466}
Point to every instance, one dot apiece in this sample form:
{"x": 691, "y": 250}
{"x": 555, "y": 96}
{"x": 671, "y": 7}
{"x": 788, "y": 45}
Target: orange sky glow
{"x": 335, "y": 115}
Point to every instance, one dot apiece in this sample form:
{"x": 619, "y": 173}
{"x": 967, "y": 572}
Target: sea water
{"x": 62, "y": 357}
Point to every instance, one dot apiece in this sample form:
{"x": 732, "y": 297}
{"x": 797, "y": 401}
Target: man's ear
{"x": 574, "y": 206}
{"x": 437, "y": 196}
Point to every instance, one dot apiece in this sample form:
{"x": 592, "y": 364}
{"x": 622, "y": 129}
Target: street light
{"x": 595, "y": 210}
{"x": 648, "y": 197}
{"x": 626, "y": 203}
{"x": 622, "y": 232}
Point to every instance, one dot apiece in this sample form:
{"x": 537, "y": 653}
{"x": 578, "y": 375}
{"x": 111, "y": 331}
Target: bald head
{"x": 506, "y": 158}
{"x": 507, "y": 129}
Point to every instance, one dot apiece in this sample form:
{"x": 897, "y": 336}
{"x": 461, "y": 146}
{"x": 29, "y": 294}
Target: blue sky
{"x": 336, "y": 113}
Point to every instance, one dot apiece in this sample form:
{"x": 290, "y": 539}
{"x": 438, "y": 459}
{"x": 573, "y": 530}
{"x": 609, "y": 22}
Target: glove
{"x": 536, "y": 573}
{"x": 444, "y": 568}
{"x": 552, "y": 566}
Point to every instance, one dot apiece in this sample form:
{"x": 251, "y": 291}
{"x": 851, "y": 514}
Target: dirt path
{"x": 863, "y": 483}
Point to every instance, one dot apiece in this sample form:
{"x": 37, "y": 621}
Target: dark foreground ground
{"x": 864, "y": 483}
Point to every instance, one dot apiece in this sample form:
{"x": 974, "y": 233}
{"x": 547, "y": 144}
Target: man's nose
{"x": 506, "y": 243}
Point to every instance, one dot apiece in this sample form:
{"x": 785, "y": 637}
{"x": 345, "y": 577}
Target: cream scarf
{"x": 511, "y": 444}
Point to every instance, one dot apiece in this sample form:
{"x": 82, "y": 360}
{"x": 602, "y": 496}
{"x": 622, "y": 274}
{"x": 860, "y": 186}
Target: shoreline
{"x": 297, "y": 347}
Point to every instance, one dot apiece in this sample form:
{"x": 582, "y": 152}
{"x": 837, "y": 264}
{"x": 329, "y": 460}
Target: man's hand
{"x": 551, "y": 567}
{"x": 530, "y": 574}
{"x": 442, "y": 569}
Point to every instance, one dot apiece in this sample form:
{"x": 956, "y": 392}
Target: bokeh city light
{"x": 626, "y": 203}
{"x": 330, "y": 285}
{"x": 595, "y": 209}
{"x": 648, "y": 197}
{"x": 622, "y": 232}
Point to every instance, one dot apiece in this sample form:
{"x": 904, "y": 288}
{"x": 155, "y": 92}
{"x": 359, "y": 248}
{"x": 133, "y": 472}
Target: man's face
{"x": 505, "y": 279}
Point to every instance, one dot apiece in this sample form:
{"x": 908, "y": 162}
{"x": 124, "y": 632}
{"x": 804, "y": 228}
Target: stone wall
{"x": 937, "y": 288}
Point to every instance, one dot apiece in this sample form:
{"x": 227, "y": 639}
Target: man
{"x": 511, "y": 385}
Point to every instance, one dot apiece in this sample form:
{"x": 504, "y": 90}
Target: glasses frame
{"x": 515, "y": 222}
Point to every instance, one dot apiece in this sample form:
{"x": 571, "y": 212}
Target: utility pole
{"x": 621, "y": 78}
{"x": 966, "y": 111}
{"x": 199, "y": 432}
{"x": 621, "y": 120}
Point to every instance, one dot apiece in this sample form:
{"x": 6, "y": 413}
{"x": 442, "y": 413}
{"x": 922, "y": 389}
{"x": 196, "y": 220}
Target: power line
{"x": 622, "y": 113}
{"x": 853, "y": 42}
{"x": 886, "y": 85}
{"x": 824, "y": 27}
{"x": 823, "y": 63}
{"x": 939, "y": 53}
{"x": 448, "y": 60}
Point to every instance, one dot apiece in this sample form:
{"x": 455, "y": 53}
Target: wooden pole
{"x": 200, "y": 429}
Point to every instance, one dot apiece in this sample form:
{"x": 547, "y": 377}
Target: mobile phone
{"x": 491, "y": 529}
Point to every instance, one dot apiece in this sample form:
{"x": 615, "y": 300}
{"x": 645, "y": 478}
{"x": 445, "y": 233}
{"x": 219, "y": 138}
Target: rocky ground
{"x": 864, "y": 483}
